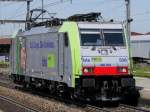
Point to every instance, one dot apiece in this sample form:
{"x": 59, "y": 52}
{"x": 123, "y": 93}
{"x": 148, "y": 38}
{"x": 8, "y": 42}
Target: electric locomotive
{"x": 79, "y": 57}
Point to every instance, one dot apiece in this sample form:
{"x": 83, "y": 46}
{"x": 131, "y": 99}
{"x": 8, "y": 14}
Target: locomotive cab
{"x": 105, "y": 63}
{"x": 104, "y": 51}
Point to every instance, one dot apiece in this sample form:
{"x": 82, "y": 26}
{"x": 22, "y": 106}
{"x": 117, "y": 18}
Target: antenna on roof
{"x": 86, "y": 17}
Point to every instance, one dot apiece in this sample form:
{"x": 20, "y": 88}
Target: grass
{"x": 4, "y": 64}
{"x": 141, "y": 71}
{"x": 4, "y": 67}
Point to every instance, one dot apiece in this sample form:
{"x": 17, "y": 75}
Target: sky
{"x": 110, "y": 9}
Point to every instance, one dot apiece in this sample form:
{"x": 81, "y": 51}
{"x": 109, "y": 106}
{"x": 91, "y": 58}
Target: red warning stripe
{"x": 99, "y": 71}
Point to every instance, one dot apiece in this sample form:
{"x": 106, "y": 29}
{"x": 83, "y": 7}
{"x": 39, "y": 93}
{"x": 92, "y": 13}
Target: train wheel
{"x": 61, "y": 90}
{"x": 72, "y": 95}
{"x": 26, "y": 85}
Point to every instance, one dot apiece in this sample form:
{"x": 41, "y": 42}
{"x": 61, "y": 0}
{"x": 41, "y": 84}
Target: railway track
{"x": 86, "y": 107}
{"x": 131, "y": 108}
{"x": 15, "y": 105}
{"x": 120, "y": 108}
{"x": 127, "y": 108}
{"x": 91, "y": 108}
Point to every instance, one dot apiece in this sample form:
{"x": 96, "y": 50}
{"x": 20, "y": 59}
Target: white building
{"x": 140, "y": 45}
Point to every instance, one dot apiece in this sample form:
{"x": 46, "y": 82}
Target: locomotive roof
{"x": 40, "y": 30}
{"x": 86, "y": 25}
{"x": 99, "y": 25}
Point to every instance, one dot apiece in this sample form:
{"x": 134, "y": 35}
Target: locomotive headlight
{"x": 88, "y": 70}
{"x": 122, "y": 69}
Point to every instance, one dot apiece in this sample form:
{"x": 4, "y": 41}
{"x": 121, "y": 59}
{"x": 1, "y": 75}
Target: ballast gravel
{"x": 35, "y": 102}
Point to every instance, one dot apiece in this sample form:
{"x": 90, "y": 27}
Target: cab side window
{"x": 66, "y": 40}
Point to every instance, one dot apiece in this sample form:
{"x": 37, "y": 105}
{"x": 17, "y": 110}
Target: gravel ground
{"x": 10, "y": 107}
{"x": 38, "y": 103}
{"x": 144, "y": 88}
{"x": 54, "y": 106}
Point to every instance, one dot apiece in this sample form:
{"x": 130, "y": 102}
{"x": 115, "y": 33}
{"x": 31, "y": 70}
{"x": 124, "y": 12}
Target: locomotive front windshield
{"x": 103, "y": 38}
{"x": 113, "y": 38}
{"x": 91, "y": 40}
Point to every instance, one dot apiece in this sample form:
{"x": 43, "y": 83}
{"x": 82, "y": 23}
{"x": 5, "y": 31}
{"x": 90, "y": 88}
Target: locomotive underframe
{"x": 89, "y": 88}
{"x": 106, "y": 88}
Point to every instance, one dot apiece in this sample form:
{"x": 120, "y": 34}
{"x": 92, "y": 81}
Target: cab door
{"x": 65, "y": 61}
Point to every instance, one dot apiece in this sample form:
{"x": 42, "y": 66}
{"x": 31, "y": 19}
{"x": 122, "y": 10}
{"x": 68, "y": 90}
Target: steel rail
{"x": 84, "y": 106}
{"x": 92, "y": 108}
{"x": 29, "y": 109}
{"x": 123, "y": 106}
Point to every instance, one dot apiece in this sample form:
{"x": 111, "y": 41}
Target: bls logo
{"x": 92, "y": 59}
{"x": 86, "y": 60}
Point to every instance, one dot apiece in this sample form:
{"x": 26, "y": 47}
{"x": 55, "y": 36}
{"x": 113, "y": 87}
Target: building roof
{"x": 5, "y": 41}
{"x": 135, "y": 33}
{"x": 140, "y": 38}
{"x": 147, "y": 33}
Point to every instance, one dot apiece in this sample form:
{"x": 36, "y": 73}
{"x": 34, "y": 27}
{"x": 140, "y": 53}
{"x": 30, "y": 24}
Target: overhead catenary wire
{"x": 63, "y": 1}
{"x": 21, "y": 12}
{"x": 16, "y": 11}
{"x": 24, "y": 13}
{"x": 50, "y": 4}
{"x": 16, "y": 2}
{"x": 53, "y": 4}
{"x": 9, "y": 4}
{"x": 142, "y": 13}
